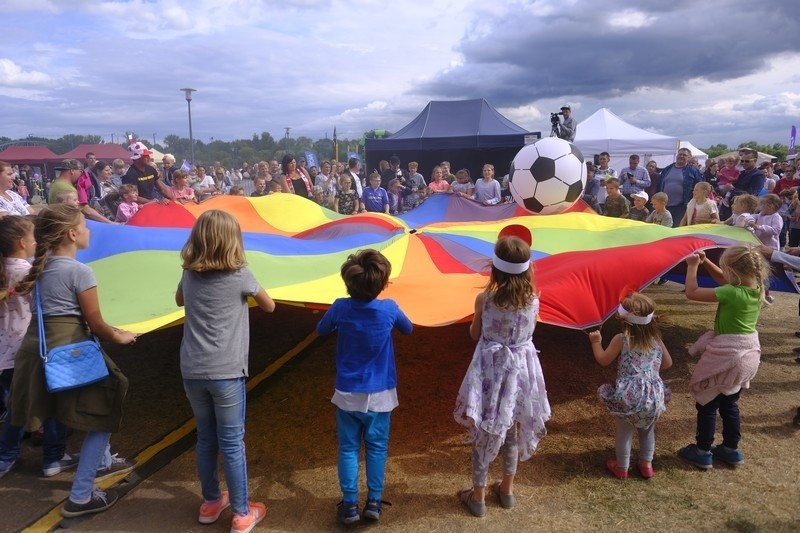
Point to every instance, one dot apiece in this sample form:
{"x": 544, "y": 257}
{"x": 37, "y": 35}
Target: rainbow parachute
{"x": 439, "y": 252}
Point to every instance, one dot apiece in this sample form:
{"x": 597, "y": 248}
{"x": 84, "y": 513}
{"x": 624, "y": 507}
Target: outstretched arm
{"x": 692, "y": 290}
{"x": 607, "y": 356}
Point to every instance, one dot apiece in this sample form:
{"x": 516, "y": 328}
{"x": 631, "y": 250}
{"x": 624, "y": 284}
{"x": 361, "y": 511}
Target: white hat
{"x": 642, "y": 195}
{"x": 138, "y": 150}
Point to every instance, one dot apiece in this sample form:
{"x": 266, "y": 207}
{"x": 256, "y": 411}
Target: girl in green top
{"x": 729, "y": 355}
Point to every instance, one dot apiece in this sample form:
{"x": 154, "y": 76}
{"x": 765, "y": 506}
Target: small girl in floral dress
{"x": 639, "y": 396}
{"x": 502, "y": 400}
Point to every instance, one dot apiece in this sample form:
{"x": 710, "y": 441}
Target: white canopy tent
{"x": 606, "y": 132}
{"x": 664, "y": 160}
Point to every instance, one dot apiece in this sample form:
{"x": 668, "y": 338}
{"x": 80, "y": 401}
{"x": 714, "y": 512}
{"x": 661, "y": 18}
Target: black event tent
{"x": 468, "y": 133}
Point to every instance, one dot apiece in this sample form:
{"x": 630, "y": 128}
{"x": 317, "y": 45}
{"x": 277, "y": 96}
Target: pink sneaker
{"x": 246, "y": 523}
{"x": 616, "y": 470}
{"x": 210, "y": 511}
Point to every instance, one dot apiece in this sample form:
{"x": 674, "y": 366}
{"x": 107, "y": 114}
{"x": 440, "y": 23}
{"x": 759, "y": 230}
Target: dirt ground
{"x": 291, "y": 442}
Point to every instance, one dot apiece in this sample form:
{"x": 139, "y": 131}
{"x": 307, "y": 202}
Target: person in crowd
{"x": 769, "y": 178}
{"x": 22, "y": 190}
{"x": 768, "y": 226}
{"x": 214, "y": 361}
{"x": 744, "y": 208}
{"x": 67, "y": 197}
{"x": 592, "y": 187}
{"x": 236, "y": 190}
{"x": 729, "y": 355}
{"x": 375, "y": 198}
{"x": 639, "y": 210}
{"x": 729, "y": 173}
{"x": 701, "y": 208}
{"x": 69, "y": 171}
{"x": 638, "y": 398}
{"x": 487, "y": 189}
{"x": 222, "y": 181}
{"x": 710, "y": 176}
{"x": 502, "y": 400}
{"x": 396, "y": 193}
{"x": 11, "y": 203}
{"x": 633, "y": 178}
{"x": 416, "y": 182}
{"x": 144, "y": 175}
{"x": 437, "y": 182}
{"x": 327, "y": 180}
{"x": 119, "y": 170}
{"x": 168, "y": 163}
{"x": 392, "y": 172}
{"x": 463, "y": 186}
{"x": 660, "y": 214}
{"x": 109, "y": 192}
{"x": 353, "y": 169}
{"x": 69, "y": 303}
{"x": 446, "y": 174}
{"x": 180, "y": 189}
{"x": 787, "y": 181}
{"x": 678, "y": 180}
{"x": 347, "y": 201}
{"x": 569, "y": 126}
{"x": 655, "y": 178}
{"x": 205, "y": 186}
{"x": 615, "y": 205}
{"x": 365, "y": 392}
{"x": 603, "y": 173}
{"x": 293, "y": 180}
{"x": 130, "y": 203}
{"x": 259, "y": 187}
{"x": 751, "y": 179}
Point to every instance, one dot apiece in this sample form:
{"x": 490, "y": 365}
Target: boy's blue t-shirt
{"x": 364, "y": 348}
{"x": 375, "y": 200}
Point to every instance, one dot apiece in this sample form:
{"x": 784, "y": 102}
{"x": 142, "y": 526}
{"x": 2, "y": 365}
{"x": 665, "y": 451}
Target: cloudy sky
{"x": 707, "y": 72}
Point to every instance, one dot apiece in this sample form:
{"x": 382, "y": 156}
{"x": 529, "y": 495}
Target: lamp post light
{"x": 188, "y": 92}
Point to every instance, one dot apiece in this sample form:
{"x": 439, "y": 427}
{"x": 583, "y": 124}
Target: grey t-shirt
{"x": 216, "y": 330}
{"x": 61, "y": 281}
{"x": 673, "y": 185}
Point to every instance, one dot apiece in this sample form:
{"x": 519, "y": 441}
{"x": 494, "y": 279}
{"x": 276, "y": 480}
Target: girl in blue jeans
{"x": 68, "y": 293}
{"x": 216, "y": 282}
{"x": 366, "y": 379}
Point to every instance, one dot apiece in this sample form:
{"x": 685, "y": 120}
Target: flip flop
{"x": 476, "y": 508}
{"x": 507, "y": 501}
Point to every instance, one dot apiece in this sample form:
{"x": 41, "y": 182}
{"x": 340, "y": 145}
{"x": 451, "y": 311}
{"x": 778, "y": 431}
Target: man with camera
{"x": 565, "y": 130}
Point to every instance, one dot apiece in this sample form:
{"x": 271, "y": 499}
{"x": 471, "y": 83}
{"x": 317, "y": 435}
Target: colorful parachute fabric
{"x": 439, "y": 253}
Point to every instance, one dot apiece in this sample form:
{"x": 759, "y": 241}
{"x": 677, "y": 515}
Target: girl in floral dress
{"x": 502, "y": 400}
{"x": 638, "y": 398}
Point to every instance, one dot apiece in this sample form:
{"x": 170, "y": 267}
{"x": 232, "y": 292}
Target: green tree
{"x": 716, "y": 150}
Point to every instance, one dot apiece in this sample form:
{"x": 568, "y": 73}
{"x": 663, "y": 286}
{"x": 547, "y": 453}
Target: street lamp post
{"x": 188, "y": 92}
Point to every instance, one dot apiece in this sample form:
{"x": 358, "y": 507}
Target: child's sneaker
{"x": 5, "y": 467}
{"x": 56, "y": 467}
{"x": 373, "y": 510}
{"x": 727, "y": 455}
{"x": 796, "y": 420}
{"x": 246, "y": 523}
{"x": 119, "y": 465}
{"x": 99, "y": 502}
{"x": 696, "y": 457}
{"x": 347, "y": 512}
{"x": 210, "y": 511}
{"x": 616, "y": 470}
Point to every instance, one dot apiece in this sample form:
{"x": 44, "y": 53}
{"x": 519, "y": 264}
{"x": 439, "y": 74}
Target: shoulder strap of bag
{"x": 40, "y": 320}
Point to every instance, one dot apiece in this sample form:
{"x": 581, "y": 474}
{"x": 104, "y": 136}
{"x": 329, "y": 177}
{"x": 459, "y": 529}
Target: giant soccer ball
{"x": 547, "y": 176}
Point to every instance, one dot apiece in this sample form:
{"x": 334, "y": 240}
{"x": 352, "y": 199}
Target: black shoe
{"x": 796, "y": 420}
{"x": 797, "y": 333}
{"x": 100, "y": 501}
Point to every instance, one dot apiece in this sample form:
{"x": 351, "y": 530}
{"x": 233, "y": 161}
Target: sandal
{"x": 476, "y": 508}
{"x": 507, "y": 501}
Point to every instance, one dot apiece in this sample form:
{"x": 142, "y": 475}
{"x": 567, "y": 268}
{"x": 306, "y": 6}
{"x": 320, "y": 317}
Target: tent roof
{"x": 104, "y": 152}
{"x": 454, "y": 124}
{"x": 27, "y": 154}
{"x": 606, "y": 132}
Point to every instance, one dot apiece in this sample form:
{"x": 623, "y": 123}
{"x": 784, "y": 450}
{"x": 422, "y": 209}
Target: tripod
{"x": 554, "y": 131}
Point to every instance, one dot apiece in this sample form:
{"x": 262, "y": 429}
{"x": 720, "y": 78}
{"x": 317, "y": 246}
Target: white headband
{"x": 510, "y": 268}
{"x": 627, "y": 316}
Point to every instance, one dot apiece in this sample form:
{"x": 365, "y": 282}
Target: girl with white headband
{"x": 637, "y": 399}
{"x": 502, "y": 400}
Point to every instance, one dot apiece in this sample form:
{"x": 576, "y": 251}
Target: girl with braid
{"x": 729, "y": 355}
{"x": 70, "y": 310}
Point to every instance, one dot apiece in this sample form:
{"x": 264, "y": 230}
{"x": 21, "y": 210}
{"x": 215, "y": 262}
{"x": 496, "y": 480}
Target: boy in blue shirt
{"x": 366, "y": 378}
{"x": 375, "y": 197}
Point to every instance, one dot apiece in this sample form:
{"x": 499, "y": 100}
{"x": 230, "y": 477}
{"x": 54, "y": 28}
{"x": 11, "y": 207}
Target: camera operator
{"x": 566, "y": 129}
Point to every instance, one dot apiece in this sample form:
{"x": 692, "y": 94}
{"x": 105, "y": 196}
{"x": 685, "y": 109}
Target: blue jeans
{"x": 94, "y": 454}
{"x": 219, "y": 408}
{"x": 55, "y": 434}
{"x": 677, "y": 212}
{"x": 351, "y": 428}
{"x": 728, "y": 408}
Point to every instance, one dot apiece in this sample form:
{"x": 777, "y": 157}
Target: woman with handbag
{"x": 68, "y": 309}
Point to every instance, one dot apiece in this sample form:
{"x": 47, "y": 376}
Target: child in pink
{"x": 129, "y": 205}
{"x": 180, "y": 189}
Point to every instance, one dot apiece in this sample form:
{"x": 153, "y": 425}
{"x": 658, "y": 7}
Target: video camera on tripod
{"x": 555, "y": 122}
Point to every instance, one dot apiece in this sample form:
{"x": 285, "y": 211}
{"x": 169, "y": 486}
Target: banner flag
{"x": 792, "y": 139}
